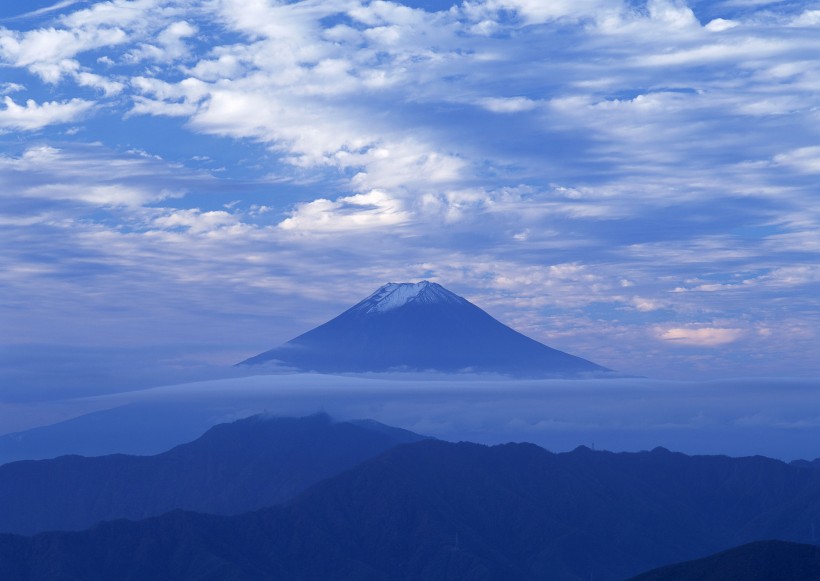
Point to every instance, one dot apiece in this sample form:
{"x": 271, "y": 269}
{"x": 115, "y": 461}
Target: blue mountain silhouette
{"x": 421, "y": 327}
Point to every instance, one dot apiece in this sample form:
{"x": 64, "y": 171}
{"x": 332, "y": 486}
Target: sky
{"x": 187, "y": 183}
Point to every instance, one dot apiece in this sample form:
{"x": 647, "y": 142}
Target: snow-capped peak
{"x": 394, "y": 295}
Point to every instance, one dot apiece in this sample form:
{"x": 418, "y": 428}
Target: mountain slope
{"x": 232, "y": 468}
{"x": 433, "y": 510}
{"x": 420, "y": 327}
{"x": 760, "y": 561}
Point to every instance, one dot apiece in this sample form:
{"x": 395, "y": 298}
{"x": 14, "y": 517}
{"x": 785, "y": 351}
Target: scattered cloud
{"x": 701, "y": 336}
{"x": 196, "y": 221}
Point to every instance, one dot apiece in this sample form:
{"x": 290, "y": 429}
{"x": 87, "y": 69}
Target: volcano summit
{"x": 421, "y": 327}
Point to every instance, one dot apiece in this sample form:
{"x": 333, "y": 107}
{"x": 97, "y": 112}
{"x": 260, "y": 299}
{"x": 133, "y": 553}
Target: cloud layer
{"x": 776, "y": 418}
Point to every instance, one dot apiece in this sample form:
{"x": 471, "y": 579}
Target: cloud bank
{"x": 773, "y": 417}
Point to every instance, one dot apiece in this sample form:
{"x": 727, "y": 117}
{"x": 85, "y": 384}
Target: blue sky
{"x": 186, "y": 183}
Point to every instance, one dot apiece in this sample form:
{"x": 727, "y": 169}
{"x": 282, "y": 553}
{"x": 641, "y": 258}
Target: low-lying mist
{"x": 777, "y": 418}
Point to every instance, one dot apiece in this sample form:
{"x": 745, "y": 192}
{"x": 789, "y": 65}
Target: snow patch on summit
{"x": 392, "y": 296}
{"x": 395, "y": 295}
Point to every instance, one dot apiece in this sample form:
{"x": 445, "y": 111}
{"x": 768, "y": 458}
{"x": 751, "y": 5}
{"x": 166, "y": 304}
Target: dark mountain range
{"x": 421, "y": 327}
{"x": 807, "y": 463}
{"x": 232, "y": 468}
{"x": 760, "y": 561}
{"x": 433, "y": 510}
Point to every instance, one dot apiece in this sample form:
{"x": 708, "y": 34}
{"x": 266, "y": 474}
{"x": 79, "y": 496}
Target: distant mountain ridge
{"x": 237, "y": 467}
{"x": 117, "y": 430}
{"x": 421, "y": 327}
{"x": 437, "y": 511}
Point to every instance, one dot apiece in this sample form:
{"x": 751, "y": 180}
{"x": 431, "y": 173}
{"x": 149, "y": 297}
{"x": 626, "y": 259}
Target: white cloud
{"x": 701, "y": 336}
{"x": 809, "y": 18}
{"x": 407, "y": 164}
{"x": 455, "y": 205}
{"x": 804, "y": 159}
{"x": 144, "y": 106}
{"x": 646, "y": 305}
{"x": 107, "y": 86}
{"x": 93, "y": 176}
{"x": 54, "y": 72}
{"x": 111, "y": 13}
{"x": 380, "y": 12}
{"x": 196, "y": 221}
{"x": 52, "y": 45}
{"x": 674, "y": 13}
{"x": 507, "y": 104}
{"x": 48, "y": 9}
{"x": 99, "y": 195}
{"x": 226, "y": 65}
{"x": 717, "y": 52}
{"x": 787, "y": 276}
{"x": 33, "y": 116}
{"x": 537, "y": 11}
{"x": 375, "y": 209}
{"x": 9, "y": 88}
{"x": 169, "y": 45}
{"x": 721, "y": 24}
{"x": 305, "y": 128}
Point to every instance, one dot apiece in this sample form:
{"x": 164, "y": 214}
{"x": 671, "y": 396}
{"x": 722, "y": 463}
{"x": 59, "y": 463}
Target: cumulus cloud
{"x": 33, "y": 116}
{"x": 169, "y": 46}
{"x": 721, "y": 24}
{"x": 52, "y": 45}
{"x": 358, "y": 212}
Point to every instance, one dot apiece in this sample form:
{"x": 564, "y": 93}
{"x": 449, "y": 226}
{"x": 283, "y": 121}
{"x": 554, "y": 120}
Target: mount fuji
{"x": 421, "y": 327}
